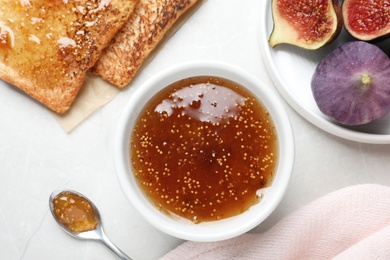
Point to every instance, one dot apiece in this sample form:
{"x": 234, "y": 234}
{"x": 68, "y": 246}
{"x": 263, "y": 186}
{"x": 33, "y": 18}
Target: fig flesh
{"x": 352, "y": 83}
{"x": 305, "y": 23}
{"x": 367, "y": 20}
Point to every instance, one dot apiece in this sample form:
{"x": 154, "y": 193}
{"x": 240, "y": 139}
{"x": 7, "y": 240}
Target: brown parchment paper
{"x": 96, "y": 92}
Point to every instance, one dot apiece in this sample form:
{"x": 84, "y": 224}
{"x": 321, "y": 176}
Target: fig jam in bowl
{"x": 204, "y": 151}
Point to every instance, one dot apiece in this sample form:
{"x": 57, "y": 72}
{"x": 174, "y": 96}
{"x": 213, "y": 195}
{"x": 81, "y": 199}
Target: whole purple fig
{"x": 352, "y": 83}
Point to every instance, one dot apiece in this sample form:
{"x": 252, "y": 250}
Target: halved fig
{"x": 367, "y": 20}
{"x": 352, "y": 83}
{"x": 305, "y": 23}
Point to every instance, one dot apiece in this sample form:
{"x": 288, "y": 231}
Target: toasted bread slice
{"x": 47, "y": 47}
{"x": 146, "y": 27}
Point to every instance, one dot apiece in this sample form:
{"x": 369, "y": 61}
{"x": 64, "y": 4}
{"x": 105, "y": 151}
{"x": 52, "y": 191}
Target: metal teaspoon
{"x": 80, "y": 218}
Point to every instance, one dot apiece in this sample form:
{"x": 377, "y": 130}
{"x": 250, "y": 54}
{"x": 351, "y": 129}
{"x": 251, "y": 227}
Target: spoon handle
{"x": 106, "y": 241}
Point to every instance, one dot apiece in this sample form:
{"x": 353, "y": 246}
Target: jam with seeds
{"x": 74, "y": 212}
{"x": 202, "y": 148}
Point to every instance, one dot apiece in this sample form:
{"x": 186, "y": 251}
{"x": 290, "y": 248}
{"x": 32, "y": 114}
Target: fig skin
{"x": 306, "y": 24}
{"x": 352, "y": 84}
{"x": 367, "y": 20}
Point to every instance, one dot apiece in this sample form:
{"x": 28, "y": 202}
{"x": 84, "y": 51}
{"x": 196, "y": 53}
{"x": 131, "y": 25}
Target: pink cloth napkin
{"x": 352, "y": 223}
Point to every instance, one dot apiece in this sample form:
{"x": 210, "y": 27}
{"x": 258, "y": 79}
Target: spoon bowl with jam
{"x": 80, "y": 218}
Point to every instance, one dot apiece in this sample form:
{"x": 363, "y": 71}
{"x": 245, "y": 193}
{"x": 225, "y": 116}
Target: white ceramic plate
{"x": 291, "y": 69}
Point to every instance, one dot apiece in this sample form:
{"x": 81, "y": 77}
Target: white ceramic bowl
{"x": 219, "y": 229}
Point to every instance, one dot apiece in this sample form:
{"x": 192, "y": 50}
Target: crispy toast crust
{"x": 146, "y": 27}
{"x": 47, "y": 47}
